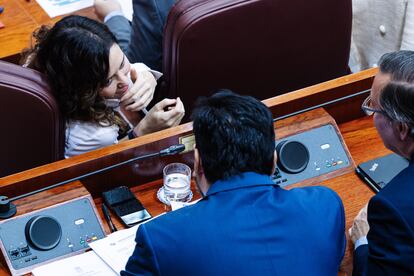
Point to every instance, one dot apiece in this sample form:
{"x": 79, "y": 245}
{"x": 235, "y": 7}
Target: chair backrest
{"x": 263, "y": 48}
{"x": 32, "y": 128}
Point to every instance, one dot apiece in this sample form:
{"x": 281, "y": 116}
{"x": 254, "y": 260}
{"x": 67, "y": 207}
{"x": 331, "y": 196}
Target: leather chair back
{"x": 262, "y": 48}
{"x": 32, "y": 127}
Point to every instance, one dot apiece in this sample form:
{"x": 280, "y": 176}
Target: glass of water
{"x": 177, "y": 179}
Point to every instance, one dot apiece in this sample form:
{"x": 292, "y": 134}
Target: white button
{"x": 382, "y": 29}
{"x": 325, "y": 146}
{"x": 79, "y": 221}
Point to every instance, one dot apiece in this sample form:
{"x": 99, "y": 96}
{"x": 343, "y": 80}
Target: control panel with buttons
{"x": 309, "y": 154}
{"x": 50, "y": 233}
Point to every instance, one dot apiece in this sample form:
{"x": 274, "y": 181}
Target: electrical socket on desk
{"x": 188, "y": 141}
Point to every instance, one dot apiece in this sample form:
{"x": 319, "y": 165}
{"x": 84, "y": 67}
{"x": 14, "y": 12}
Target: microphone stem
{"x": 85, "y": 175}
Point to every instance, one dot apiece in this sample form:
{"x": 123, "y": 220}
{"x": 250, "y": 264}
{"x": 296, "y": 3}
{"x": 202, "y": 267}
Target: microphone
{"x": 174, "y": 149}
{"x": 8, "y": 209}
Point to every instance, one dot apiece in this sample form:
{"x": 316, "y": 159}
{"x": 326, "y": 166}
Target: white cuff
{"x": 112, "y": 14}
{"x": 140, "y": 67}
{"x": 361, "y": 241}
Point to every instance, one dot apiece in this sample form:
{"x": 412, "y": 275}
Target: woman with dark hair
{"x": 96, "y": 86}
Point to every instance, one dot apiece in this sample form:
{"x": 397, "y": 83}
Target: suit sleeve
{"x": 148, "y": 22}
{"x": 390, "y": 244}
{"x": 143, "y": 260}
{"x": 121, "y": 28}
{"x": 360, "y": 260}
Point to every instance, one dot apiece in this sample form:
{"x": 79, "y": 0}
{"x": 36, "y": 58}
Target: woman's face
{"x": 118, "y": 79}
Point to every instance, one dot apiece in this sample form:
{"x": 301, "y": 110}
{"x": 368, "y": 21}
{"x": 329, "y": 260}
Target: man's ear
{"x": 274, "y": 161}
{"x": 404, "y": 131}
{"x": 198, "y": 168}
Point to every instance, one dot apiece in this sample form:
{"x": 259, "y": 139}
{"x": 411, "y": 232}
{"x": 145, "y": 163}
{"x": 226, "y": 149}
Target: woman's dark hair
{"x": 234, "y": 134}
{"x": 74, "y": 55}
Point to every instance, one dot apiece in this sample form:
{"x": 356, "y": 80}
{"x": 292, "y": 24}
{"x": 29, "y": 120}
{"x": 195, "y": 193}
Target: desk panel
{"x": 360, "y": 137}
{"x": 364, "y": 144}
{"x": 362, "y": 141}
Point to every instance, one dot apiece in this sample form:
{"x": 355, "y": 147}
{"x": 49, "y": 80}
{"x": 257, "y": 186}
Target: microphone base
{"x": 8, "y": 214}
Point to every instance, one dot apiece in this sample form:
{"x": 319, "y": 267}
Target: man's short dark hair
{"x": 397, "y": 96}
{"x": 234, "y": 134}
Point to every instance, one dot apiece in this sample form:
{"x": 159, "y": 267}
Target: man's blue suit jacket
{"x": 390, "y": 249}
{"x": 246, "y": 225}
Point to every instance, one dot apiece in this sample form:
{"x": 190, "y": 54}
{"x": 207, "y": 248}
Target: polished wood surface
{"x": 363, "y": 143}
{"x": 21, "y": 18}
{"x": 359, "y": 135}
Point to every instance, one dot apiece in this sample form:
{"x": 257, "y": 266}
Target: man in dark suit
{"x": 244, "y": 224}
{"x": 388, "y": 249}
{"x": 141, "y": 41}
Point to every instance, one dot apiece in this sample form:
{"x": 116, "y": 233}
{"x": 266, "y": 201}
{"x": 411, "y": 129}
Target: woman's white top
{"x": 81, "y": 136}
{"x": 84, "y": 136}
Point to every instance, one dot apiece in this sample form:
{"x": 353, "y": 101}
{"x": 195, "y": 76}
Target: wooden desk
{"x": 21, "y": 18}
{"x": 364, "y": 144}
{"x": 362, "y": 141}
{"x": 358, "y": 131}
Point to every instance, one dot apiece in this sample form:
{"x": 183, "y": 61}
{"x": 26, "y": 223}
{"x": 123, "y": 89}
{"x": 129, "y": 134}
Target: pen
{"x": 108, "y": 218}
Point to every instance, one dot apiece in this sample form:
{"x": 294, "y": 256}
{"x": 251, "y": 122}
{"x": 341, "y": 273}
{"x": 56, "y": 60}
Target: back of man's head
{"x": 400, "y": 66}
{"x": 234, "y": 134}
{"x": 397, "y": 97}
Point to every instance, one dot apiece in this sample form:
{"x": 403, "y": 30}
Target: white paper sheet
{"x": 86, "y": 264}
{"x": 175, "y": 205}
{"x": 59, "y": 7}
{"x": 116, "y": 248}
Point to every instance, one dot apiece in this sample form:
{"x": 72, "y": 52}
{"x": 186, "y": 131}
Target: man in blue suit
{"x": 388, "y": 249}
{"x": 141, "y": 41}
{"x": 244, "y": 224}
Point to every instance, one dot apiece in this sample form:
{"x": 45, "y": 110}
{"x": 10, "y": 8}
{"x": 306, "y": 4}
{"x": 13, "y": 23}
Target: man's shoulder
{"x": 317, "y": 192}
{"x": 181, "y": 216}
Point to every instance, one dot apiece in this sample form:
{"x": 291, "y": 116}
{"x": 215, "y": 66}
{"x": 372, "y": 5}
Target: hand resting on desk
{"x": 360, "y": 226}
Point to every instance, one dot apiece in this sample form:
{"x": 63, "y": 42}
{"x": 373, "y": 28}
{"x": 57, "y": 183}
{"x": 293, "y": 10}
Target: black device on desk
{"x": 377, "y": 173}
{"x": 127, "y": 207}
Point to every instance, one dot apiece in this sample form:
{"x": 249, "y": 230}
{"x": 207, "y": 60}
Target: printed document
{"x": 86, "y": 264}
{"x": 116, "y": 249}
{"x": 60, "y": 7}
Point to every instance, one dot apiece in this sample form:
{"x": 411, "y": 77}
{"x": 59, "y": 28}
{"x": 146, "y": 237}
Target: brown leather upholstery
{"x": 258, "y": 47}
{"x": 32, "y": 128}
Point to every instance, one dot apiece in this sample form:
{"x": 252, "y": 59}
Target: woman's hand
{"x": 142, "y": 91}
{"x": 167, "y": 113}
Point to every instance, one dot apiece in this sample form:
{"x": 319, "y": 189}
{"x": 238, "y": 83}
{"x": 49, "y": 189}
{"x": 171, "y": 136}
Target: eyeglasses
{"x": 368, "y": 110}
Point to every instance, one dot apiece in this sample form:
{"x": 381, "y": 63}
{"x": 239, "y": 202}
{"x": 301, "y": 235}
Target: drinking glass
{"x": 177, "y": 179}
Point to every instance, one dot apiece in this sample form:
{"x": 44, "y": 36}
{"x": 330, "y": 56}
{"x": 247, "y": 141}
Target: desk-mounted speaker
{"x": 310, "y": 154}
{"x": 49, "y": 234}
